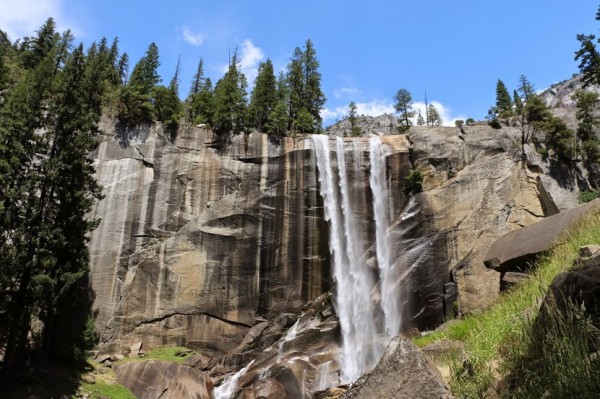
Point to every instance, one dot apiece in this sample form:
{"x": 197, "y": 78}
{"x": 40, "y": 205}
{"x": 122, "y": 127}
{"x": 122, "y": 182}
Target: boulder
{"x": 516, "y": 250}
{"x": 576, "y": 287}
{"x": 404, "y": 372}
{"x": 267, "y": 388}
{"x": 155, "y": 379}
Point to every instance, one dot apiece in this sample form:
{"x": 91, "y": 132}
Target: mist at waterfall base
{"x": 363, "y": 338}
{"x": 367, "y": 324}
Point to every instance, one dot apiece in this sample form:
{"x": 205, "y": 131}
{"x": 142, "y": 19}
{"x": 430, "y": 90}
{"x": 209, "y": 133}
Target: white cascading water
{"x": 354, "y": 280}
{"x": 381, "y": 212}
{"x": 227, "y": 389}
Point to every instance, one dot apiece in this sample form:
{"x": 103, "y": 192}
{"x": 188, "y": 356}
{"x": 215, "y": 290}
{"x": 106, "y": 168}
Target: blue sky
{"x": 456, "y": 50}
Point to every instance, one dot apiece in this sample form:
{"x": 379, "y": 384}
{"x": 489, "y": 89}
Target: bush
{"x": 470, "y": 121}
{"x": 587, "y": 196}
{"x": 495, "y": 123}
{"x": 459, "y": 123}
{"x": 413, "y": 183}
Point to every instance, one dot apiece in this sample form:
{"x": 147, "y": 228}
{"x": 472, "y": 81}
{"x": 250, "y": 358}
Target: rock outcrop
{"x": 404, "y": 372}
{"x": 517, "y": 249}
{"x": 154, "y": 379}
{"x": 475, "y": 190}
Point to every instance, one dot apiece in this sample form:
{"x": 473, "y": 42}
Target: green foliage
{"x": 277, "y": 123}
{"x": 491, "y": 336}
{"x": 167, "y": 106}
{"x": 420, "y": 120}
{"x": 459, "y": 123}
{"x": 588, "y": 196}
{"x": 304, "y": 122}
{"x": 264, "y": 96}
{"x": 495, "y": 123}
{"x": 352, "y": 113}
{"x": 304, "y": 89}
{"x": 503, "y": 100}
{"x": 403, "y": 105}
{"x": 556, "y": 357}
{"x": 101, "y": 390}
{"x": 433, "y": 116}
{"x": 145, "y": 73}
{"x": 588, "y": 123}
{"x": 134, "y": 107}
{"x": 588, "y": 57}
{"x": 47, "y": 128}
{"x": 230, "y": 103}
{"x": 559, "y": 138}
{"x": 413, "y": 183}
{"x": 470, "y": 121}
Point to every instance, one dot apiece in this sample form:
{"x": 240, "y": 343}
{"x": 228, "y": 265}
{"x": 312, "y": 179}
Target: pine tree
{"x": 135, "y": 101}
{"x": 145, "y": 73}
{"x": 314, "y": 99}
{"x": 434, "y": 116}
{"x": 403, "y": 105}
{"x": 295, "y": 84}
{"x": 420, "y": 120}
{"x": 589, "y": 57}
{"x": 264, "y": 96}
{"x": 588, "y": 124}
{"x": 230, "y": 104}
{"x": 41, "y": 46}
{"x": 198, "y": 80}
{"x": 304, "y": 85}
{"x": 48, "y": 189}
{"x": 518, "y": 103}
{"x": 503, "y": 100}
{"x": 352, "y": 113}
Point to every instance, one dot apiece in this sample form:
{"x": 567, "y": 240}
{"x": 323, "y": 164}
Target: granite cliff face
{"x": 222, "y": 252}
{"x": 194, "y": 246}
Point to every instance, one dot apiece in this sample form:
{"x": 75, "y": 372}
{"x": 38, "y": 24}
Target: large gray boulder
{"x": 156, "y": 379}
{"x": 516, "y": 250}
{"x": 404, "y": 372}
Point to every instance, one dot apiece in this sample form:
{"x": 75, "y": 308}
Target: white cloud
{"x": 380, "y": 107}
{"x": 193, "y": 38}
{"x": 346, "y": 92}
{"x": 21, "y": 18}
{"x": 249, "y": 58}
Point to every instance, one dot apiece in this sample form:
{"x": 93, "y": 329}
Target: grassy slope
{"x": 488, "y": 336}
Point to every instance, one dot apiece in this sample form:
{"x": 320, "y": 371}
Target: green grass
{"x": 101, "y": 390}
{"x": 175, "y": 354}
{"x": 489, "y": 336}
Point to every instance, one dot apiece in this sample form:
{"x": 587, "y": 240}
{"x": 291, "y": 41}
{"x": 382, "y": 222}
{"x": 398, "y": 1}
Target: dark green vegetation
{"x": 554, "y": 360}
{"x": 48, "y": 118}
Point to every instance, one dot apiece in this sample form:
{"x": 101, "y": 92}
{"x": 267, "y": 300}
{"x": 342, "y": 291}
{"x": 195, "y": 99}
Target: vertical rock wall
{"x": 194, "y": 245}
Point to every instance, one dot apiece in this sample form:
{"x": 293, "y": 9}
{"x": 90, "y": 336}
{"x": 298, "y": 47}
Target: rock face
{"x": 194, "y": 245}
{"x": 155, "y": 379}
{"x": 404, "y": 372}
{"x": 475, "y": 190}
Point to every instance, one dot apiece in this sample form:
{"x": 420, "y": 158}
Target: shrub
{"x": 588, "y": 195}
{"x": 413, "y": 183}
{"x": 459, "y": 123}
{"x": 470, "y": 121}
{"x": 495, "y": 123}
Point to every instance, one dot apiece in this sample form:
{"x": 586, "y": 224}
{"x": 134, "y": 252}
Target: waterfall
{"x": 230, "y": 385}
{"x": 381, "y": 212}
{"x": 353, "y": 278}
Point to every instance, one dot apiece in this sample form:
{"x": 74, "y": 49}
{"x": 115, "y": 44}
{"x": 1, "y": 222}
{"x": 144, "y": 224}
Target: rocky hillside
{"x": 382, "y": 124}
